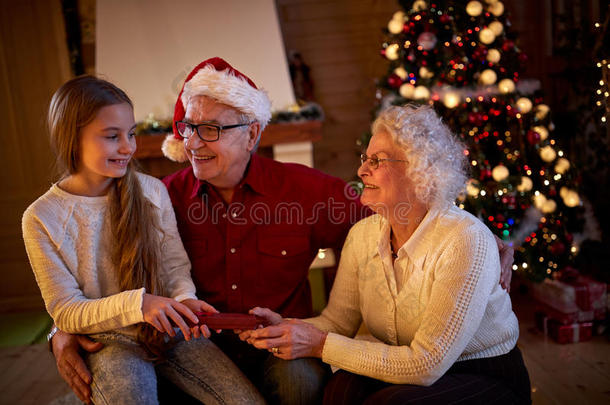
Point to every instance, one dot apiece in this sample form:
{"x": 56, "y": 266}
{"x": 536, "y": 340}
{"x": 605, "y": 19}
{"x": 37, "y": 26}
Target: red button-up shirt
{"x": 256, "y": 251}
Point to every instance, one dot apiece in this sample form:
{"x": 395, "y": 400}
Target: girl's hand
{"x": 272, "y": 317}
{"x": 199, "y": 306}
{"x": 157, "y": 310}
{"x": 291, "y": 339}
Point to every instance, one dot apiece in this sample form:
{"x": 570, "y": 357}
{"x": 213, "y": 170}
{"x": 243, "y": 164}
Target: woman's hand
{"x": 199, "y": 306}
{"x": 272, "y": 317}
{"x": 290, "y": 339}
{"x": 158, "y": 311}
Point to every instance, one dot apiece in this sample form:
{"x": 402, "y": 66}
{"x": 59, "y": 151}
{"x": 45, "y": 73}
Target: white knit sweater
{"x": 448, "y": 307}
{"x": 68, "y": 239}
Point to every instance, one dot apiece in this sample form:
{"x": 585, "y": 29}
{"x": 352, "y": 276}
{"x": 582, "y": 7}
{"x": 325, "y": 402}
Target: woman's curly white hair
{"x": 436, "y": 161}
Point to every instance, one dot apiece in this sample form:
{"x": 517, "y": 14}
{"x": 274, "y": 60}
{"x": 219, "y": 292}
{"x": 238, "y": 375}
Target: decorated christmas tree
{"x": 462, "y": 58}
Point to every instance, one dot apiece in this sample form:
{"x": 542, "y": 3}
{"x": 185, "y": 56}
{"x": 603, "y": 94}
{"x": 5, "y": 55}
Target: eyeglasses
{"x": 206, "y": 132}
{"x": 374, "y": 160}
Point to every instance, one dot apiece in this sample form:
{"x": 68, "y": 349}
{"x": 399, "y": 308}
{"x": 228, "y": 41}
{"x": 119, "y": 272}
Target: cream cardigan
{"x": 450, "y": 306}
{"x": 68, "y": 239}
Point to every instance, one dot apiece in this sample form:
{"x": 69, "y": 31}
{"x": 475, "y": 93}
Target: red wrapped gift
{"x": 573, "y": 333}
{"x": 574, "y": 299}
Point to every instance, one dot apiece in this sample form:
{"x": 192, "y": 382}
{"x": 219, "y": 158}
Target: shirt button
{"x": 234, "y": 214}
{"x": 232, "y": 250}
{"x": 234, "y": 287}
{"x": 283, "y": 253}
{"x": 224, "y": 215}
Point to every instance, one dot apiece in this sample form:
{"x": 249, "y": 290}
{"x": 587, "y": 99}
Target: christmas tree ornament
{"x": 487, "y": 36}
{"x": 547, "y": 153}
{"x": 506, "y": 86}
{"x": 524, "y": 105}
{"x": 488, "y": 77}
{"x": 532, "y": 137}
{"x": 496, "y": 27}
{"x": 425, "y": 73}
{"x": 496, "y": 8}
{"x": 473, "y": 188}
{"x": 549, "y": 206}
{"x": 500, "y": 173}
{"x": 451, "y": 99}
{"x": 419, "y": 5}
{"x": 421, "y": 93}
{"x": 508, "y": 45}
{"x": 391, "y": 52}
{"x": 399, "y": 16}
{"x": 539, "y": 200}
{"x": 571, "y": 199}
{"x": 542, "y": 131}
{"x": 394, "y": 81}
{"x": 401, "y": 72}
{"x": 493, "y": 56}
{"x": 562, "y": 165}
{"x": 541, "y": 111}
{"x": 427, "y": 40}
{"x": 396, "y": 26}
{"x": 474, "y": 8}
{"x": 407, "y": 91}
{"x": 525, "y": 185}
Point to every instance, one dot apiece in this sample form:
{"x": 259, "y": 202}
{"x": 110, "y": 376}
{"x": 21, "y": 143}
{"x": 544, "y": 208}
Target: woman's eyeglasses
{"x": 373, "y": 160}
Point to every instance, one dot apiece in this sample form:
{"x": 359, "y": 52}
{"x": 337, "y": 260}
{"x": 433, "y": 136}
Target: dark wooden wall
{"x": 33, "y": 63}
{"x": 340, "y": 41}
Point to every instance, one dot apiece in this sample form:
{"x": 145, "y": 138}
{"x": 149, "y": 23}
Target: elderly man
{"x": 251, "y": 226}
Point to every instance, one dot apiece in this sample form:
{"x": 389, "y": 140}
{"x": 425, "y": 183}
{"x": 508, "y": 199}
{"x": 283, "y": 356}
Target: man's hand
{"x": 70, "y": 364}
{"x": 506, "y": 263}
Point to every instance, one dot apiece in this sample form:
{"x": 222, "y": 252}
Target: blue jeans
{"x": 122, "y": 373}
{"x": 281, "y": 382}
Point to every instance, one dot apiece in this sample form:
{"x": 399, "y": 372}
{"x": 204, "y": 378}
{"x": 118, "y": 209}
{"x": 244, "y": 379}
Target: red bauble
{"x": 508, "y": 45}
{"x": 522, "y": 58}
{"x": 479, "y": 53}
{"x": 394, "y": 81}
{"x": 475, "y": 118}
{"x": 533, "y": 137}
{"x": 558, "y": 248}
{"x": 444, "y": 19}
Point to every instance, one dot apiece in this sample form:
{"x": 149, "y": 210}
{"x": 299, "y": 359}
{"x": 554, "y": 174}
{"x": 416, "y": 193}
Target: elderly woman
{"x": 423, "y": 276}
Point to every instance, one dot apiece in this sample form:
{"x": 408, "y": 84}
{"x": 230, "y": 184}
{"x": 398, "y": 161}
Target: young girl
{"x": 106, "y": 253}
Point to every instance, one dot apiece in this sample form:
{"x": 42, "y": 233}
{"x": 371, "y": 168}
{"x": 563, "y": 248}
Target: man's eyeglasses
{"x": 374, "y": 160}
{"x": 206, "y": 132}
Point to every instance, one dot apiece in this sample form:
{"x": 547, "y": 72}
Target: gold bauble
{"x": 493, "y": 56}
{"x": 524, "y": 105}
{"x": 474, "y": 8}
{"x": 487, "y": 36}
{"x": 547, "y": 153}
{"x": 407, "y": 90}
{"x": 525, "y": 185}
{"x": 562, "y": 165}
{"x": 488, "y": 77}
{"x": 500, "y": 173}
{"x": 506, "y": 86}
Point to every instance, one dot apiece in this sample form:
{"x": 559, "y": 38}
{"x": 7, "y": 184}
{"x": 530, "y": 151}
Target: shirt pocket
{"x": 284, "y": 259}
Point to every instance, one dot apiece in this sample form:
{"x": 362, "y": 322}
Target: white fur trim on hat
{"x": 231, "y": 90}
{"x": 173, "y": 149}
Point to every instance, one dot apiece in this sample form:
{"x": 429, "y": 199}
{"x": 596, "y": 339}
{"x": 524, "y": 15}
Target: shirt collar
{"x": 253, "y": 178}
{"x": 418, "y": 244}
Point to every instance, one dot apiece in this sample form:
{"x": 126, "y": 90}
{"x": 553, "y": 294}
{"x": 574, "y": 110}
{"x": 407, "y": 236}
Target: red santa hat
{"x": 217, "y": 79}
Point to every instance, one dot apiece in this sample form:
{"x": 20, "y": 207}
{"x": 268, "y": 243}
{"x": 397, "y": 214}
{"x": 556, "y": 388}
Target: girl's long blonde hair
{"x": 135, "y": 251}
